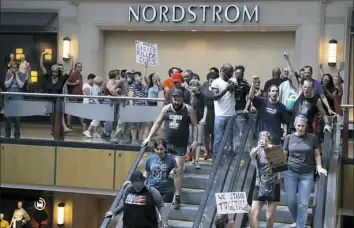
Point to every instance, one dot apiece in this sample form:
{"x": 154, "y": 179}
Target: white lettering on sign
{"x": 146, "y": 53}
{"x": 231, "y": 203}
{"x": 179, "y": 14}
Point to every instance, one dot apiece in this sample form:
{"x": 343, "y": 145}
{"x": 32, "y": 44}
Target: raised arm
{"x": 293, "y": 79}
{"x": 41, "y": 65}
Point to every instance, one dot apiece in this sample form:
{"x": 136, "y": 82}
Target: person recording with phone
{"x": 224, "y": 102}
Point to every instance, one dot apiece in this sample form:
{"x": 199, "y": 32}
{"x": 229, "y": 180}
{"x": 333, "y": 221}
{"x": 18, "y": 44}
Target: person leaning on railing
{"x": 14, "y": 82}
{"x": 141, "y": 205}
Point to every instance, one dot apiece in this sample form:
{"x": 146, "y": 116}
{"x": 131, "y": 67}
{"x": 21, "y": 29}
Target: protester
{"x": 140, "y": 201}
{"x": 304, "y": 158}
{"x": 176, "y": 117}
{"x": 267, "y": 186}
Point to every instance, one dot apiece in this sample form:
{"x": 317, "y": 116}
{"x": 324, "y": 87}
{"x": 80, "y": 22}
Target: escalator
{"x": 282, "y": 218}
{"x": 232, "y": 171}
{"x": 199, "y": 184}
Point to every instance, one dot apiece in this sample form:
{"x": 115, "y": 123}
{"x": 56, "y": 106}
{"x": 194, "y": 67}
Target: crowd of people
{"x": 292, "y": 111}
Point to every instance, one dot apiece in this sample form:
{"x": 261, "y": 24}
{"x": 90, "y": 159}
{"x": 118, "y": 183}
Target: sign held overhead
{"x": 146, "y": 53}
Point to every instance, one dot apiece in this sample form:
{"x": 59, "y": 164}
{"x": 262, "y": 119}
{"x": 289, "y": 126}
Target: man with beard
{"x": 224, "y": 103}
{"x": 139, "y": 205}
{"x": 271, "y": 113}
{"x": 176, "y": 118}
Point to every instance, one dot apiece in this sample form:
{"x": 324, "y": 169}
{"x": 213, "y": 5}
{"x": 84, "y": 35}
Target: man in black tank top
{"x": 176, "y": 118}
{"x": 308, "y": 105}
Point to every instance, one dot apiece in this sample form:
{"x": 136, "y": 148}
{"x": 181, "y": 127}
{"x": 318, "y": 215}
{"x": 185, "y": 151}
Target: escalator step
{"x": 276, "y": 225}
{"x": 179, "y": 224}
{"x": 282, "y": 215}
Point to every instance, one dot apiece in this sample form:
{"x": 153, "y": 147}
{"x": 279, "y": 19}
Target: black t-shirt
{"x": 273, "y": 81}
{"x": 240, "y": 95}
{"x": 197, "y": 102}
{"x": 306, "y": 107}
{"x": 331, "y": 101}
{"x": 176, "y": 125}
{"x": 49, "y": 87}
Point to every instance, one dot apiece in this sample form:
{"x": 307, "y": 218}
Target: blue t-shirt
{"x": 270, "y": 117}
{"x": 159, "y": 171}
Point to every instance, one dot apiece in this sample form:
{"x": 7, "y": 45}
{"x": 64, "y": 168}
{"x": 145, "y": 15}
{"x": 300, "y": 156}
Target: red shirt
{"x": 76, "y": 89}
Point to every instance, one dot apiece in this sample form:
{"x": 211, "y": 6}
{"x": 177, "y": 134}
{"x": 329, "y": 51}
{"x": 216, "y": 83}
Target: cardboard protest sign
{"x": 276, "y": 159}
{"x": 231, "y": 203}
{"x": 146, "y": 53}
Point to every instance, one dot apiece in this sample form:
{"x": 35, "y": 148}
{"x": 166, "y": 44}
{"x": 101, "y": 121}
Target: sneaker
{"x": 177, "y": 202}
{"x": 196, "y": 164}
{"x": 87, "y": 134}
{"x": 188, "y": 157}
{"x": 96, "y": 135}
{"x": 293, "y": 225}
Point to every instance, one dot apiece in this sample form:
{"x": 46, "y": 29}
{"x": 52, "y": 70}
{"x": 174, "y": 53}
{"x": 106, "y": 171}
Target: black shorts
{"x": 178, "y": 151}
{"x": 167, "y": 197}
{"x": 277, "y": 194}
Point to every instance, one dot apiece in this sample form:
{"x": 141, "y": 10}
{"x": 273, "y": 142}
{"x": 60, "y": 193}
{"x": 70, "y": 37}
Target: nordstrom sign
{"x": 193, "y": 13}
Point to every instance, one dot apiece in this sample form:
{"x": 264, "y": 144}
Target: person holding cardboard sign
{"x": 267, "y": 186}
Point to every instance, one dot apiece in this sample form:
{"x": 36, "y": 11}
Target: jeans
{"x": 219, "y": 129}
{"x": 239, "y": 128}
{"x": 298, "y": 188}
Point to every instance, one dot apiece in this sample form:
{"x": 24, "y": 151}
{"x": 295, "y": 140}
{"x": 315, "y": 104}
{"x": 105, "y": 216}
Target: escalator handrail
{"x": 120, "y": 193}
{"x": 215, "y": 168}
{"x": 212, "y": 175}
{"x": 321, "y": 184}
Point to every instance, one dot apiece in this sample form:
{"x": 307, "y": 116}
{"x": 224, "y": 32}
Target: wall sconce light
{"x": 66, "y": 48}
{"x": 61, "y": 214}
{"x": 49, "y": 55}
{"x": 332, "y": 53}
{"x": 19, "y": 53}
{"x": 34, "y": 76}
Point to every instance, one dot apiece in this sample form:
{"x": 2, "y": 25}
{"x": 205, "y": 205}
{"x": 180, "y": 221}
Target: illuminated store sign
{"x": 193, "y": 13}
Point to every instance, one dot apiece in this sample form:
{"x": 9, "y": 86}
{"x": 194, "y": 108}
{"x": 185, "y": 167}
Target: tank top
{"x": 176, "y": 125}
{"x": 307, "y": 107}
{"x": 139, "y": 204}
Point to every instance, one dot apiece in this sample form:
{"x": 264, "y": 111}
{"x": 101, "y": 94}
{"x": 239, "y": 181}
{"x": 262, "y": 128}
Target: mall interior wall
{"x": 315, "y": 22}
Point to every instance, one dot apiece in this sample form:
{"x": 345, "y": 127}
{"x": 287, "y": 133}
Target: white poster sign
{"x": 231, "y": 203}
{"x": 146, "y": 53}
{"x": 276, "y": 159}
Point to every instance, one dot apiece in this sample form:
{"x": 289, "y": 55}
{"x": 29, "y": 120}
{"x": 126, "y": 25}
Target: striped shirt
{"x": 138, "y": 92}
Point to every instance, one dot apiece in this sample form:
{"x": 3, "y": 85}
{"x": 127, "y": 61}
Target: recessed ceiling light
{"x": 262, "y": 30}
{"x": 194, "y": 30}
{"x": 130, "y": 30}
{"x": 162, "y": 30}
{"x": 227, "y": 30}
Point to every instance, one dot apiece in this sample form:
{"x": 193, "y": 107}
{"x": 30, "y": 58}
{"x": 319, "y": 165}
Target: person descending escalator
{"x": 141, "y": 205}
{"x": 267, "y": 186}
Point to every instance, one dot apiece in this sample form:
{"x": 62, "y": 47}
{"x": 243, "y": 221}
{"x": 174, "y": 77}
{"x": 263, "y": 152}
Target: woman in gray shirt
{"x": 303, "y": 152}
{"x": 267, "y": 188}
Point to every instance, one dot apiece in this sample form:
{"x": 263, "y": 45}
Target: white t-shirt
{"x": 225, "y": 106}
{"x": 86, "y": 85}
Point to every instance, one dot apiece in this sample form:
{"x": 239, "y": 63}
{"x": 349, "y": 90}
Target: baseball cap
{"x": 129, "y": 71}
{"x": 176, "y": 77}
{"x": 177, "y": 93}
{"x": 137, "y": 176}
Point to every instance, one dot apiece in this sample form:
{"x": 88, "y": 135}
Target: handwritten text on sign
{"x": 276, "y": 159}
{"x": 231, "y": 202}
{"x": 146, "y": 53}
